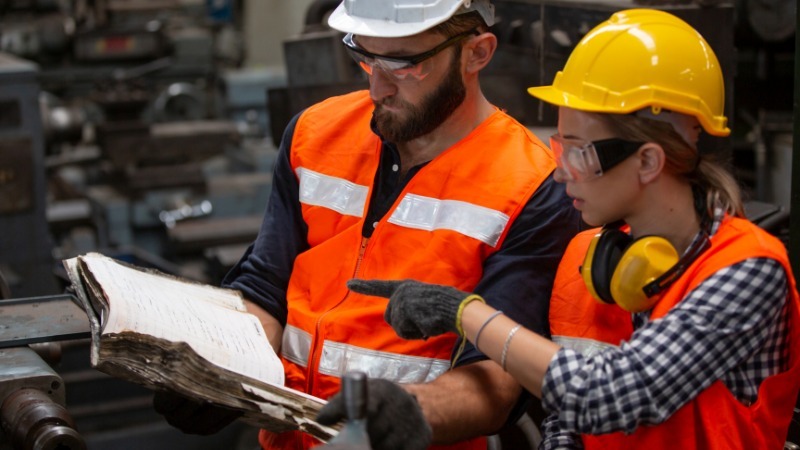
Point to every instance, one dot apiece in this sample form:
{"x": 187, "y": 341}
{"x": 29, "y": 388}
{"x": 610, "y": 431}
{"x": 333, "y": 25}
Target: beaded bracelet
{"x": 506, "y": 345}
{"x": 486, "y": 322}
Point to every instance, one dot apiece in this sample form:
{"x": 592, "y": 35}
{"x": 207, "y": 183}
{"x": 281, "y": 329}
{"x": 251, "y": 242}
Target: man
{"x": 421, "y": 177}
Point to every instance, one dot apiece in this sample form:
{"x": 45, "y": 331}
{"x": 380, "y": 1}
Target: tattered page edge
{"x": 73, "y": 272}
{"x": 272, "y": 406}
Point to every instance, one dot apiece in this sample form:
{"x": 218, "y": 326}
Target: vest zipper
{"x": 364, "y": 242}
{"x": 317, "y": 350}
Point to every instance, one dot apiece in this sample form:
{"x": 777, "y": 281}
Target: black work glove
{"x": 394, "y": 418}
{"x": 193, "y": 416}
{"x": 417, "y": 310}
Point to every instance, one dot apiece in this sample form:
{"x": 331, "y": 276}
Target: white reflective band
{"x": 338, "y": 359}
{"x": 426, "y": 213}
{"x": 296, "y": 345}
{"x": 333, "y": 193}
{"x": 586, "y": 347}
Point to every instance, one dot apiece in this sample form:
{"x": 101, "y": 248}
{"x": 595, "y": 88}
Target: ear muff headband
{"x": 656, "y": 286}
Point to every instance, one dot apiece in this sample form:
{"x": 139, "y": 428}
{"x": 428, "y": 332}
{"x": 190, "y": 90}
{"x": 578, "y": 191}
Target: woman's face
{"x": 605, "y": 198}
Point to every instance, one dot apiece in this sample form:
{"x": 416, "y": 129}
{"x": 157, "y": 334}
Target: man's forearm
{"x": 466, "y": 402}
{"x": 272, "y": 327}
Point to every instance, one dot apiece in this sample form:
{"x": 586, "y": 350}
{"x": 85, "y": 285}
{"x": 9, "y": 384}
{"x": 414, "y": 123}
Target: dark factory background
{"x": 147, "y": 130}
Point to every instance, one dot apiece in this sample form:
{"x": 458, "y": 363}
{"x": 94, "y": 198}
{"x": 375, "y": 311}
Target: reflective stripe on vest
{"x": 414, "y": 211}
{"x": 296, "y": 345}
{"x": 586, "y": 347}
{"x": 338, "y": 358}
{"x": 333, "y": 193}
{"x": 426, "y": 213}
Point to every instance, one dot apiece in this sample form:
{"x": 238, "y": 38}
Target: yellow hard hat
{"x": 642, "y": 58}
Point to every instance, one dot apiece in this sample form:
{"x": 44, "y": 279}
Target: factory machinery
{"x": 127, "y": 128}
{"x": 131, "y": 128}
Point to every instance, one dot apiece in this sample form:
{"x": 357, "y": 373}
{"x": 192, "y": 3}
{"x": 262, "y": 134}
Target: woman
{"x": 690, "y": 351}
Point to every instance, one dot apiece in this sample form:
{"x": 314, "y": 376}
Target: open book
{"x": 198, "y": 340}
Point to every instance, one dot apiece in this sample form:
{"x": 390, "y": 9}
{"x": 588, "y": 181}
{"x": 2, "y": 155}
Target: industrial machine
{"x": 26, "y": 261}
{"x": 144, "y": 132}
{"x": 122, "y": 130}
{"x": 32, "y": 395}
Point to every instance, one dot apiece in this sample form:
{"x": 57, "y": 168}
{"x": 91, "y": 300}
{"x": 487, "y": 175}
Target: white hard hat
{"x": 398, "y": 18}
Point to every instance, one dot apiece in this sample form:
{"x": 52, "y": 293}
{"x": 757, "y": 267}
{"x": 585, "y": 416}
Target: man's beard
{"x": 425, "y": 117}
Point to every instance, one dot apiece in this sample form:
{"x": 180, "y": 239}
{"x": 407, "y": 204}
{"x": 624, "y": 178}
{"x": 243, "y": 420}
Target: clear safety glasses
{"x": 400, "y": 67}
{"x": 581, "y": 160}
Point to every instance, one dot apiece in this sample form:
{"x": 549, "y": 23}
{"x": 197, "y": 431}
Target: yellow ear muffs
{"x": 643, "y": 262}
{"x": 618, "y": 269}
{"x": 631, "y": 273}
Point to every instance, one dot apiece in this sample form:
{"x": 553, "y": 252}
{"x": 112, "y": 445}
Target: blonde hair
{"x": 705, "y": 173}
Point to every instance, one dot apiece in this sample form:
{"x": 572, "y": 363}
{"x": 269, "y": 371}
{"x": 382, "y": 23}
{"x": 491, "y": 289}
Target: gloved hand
{"x": 193, "y": 416}
{"x": 418, "y": 310}
{"x": 394, "y": 418}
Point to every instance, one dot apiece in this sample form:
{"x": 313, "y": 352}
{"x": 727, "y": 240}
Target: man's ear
{"x": 479, "y": 51}
{"x": 651, "y": 162}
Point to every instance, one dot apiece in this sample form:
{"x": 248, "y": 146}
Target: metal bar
{"x": 41, "y": 319}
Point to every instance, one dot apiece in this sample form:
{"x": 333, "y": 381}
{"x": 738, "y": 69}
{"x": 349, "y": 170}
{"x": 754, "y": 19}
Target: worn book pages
{"x": 198, "y": 340}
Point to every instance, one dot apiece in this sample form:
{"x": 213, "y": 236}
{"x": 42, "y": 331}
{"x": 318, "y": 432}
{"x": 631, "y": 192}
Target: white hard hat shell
{"x": 399, "y": 18}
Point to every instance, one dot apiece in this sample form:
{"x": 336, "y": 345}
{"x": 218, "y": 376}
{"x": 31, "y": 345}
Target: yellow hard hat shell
{"x": 642, "y": 58}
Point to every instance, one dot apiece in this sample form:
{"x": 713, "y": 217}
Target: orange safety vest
{"x": 452, "y": 215}
{"x": 715, "y": 419}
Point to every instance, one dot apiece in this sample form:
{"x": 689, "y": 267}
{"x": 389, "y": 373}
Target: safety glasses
{"x": 400, "y": 68}
{"x": 581, "y": 160}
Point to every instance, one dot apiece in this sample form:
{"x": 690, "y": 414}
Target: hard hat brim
{"x": 550, "y": 94}
{"x": 340, "y": 20}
